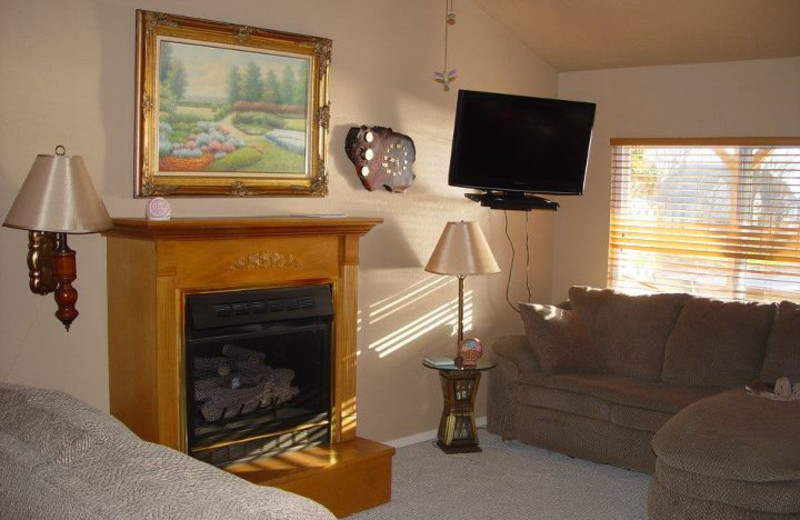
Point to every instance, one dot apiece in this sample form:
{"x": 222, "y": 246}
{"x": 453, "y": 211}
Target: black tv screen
{"x": 504, "y": 142}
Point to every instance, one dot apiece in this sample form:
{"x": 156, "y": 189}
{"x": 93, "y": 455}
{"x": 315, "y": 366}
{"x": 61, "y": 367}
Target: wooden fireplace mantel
{"x": 210, "y": 228}
{"x": 153, "y": 265}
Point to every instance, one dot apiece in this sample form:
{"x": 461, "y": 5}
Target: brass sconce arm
{"x": 41, "y": 246}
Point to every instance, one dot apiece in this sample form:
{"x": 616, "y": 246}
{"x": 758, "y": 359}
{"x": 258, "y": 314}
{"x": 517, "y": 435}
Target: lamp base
{"x": 457, "y": 449}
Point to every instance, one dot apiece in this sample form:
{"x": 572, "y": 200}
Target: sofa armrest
{"x": 515, "y": 351}
{"x": 514, "y": 357}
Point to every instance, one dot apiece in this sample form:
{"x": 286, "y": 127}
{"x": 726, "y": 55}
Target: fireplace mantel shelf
{"x": 152, "y": 267}
{"x": 191, "y": 228}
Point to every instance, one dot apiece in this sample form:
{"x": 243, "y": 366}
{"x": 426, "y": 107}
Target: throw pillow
{"x": 560, "y": 341}
{"x": 783, "y": 346}
{"x": 717, "y": 343}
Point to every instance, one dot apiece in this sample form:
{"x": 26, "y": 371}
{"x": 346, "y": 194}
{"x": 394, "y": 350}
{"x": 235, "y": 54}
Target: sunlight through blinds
{"x": 713, "y": 217}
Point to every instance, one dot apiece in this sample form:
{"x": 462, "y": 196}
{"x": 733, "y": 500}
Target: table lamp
{"x": 462, "y": 250}
{"x": 56, "y": 198}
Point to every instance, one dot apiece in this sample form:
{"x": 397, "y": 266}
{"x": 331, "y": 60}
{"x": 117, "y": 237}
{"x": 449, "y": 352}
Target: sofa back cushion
{"x": 559, "y": 340}
{"x": 631, "y": 331}
{"x": 783, "y": 346}
{"x": 587, "y": 301}
{"x": 716, "y": 343}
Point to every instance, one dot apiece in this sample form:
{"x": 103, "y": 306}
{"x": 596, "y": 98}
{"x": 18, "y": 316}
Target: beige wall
{"x": 741, "y": 99}
{"x": 67, "y": 78}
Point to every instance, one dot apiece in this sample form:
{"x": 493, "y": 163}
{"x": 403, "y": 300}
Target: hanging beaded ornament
{"x": 446, "y": 75}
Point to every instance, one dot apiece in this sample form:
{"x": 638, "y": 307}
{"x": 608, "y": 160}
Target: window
{"x": 714, "y": 217}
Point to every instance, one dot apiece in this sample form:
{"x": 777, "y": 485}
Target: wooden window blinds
{"x": 713, "y": 217}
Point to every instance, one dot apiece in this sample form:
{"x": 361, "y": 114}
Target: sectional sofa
{"x": 598, "y": 376}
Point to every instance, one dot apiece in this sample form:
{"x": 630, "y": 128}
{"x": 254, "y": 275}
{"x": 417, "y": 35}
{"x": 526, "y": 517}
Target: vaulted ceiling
{"x": 573, "y": 35}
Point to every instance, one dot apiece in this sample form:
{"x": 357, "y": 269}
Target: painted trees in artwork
{"x": 272, "y": 91}
{"x": 234, "y": 85}
{"x": 250, "y": 86}
{"x": 172, "y": 77}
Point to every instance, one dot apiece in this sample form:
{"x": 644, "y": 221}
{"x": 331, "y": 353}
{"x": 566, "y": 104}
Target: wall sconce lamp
{"x": 462, "y": 250}
{"x": 56, "y": 198}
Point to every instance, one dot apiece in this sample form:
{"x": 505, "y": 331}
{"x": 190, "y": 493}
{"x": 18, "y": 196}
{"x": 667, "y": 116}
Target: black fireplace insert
{"x": 258, "y": 372}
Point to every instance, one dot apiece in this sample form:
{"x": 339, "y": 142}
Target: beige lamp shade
{"x": 462, "y": 250}
{"x": 58, "y": 196}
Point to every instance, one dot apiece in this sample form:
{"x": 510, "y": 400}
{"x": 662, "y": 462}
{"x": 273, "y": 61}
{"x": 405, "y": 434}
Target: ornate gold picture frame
{"x": 229, "y": 110}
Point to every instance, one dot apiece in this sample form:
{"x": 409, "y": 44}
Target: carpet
{"x": 508, "y": 481}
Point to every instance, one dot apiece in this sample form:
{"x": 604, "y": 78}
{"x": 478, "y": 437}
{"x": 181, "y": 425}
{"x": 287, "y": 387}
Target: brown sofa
{"x": 596, "y": 377}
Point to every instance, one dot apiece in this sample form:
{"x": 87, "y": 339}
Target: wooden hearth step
{"x": 346, "y": 477}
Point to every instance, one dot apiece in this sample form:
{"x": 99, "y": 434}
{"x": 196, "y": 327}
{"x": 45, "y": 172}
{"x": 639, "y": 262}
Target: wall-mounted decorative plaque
{"x": 382, "y": 157}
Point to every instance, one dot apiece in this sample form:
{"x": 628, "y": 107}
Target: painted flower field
{"x": 231, "y": 112}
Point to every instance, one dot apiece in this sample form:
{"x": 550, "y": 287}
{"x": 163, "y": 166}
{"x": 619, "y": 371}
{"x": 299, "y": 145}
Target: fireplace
{"x": 258, "y": 372}
{"x": 261, "y": 313}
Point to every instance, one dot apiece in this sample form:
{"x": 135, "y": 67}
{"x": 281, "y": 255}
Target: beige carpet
{"x": 508, "y": 481}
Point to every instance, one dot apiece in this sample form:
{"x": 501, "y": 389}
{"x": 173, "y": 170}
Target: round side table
{"x": 457, "y": 431}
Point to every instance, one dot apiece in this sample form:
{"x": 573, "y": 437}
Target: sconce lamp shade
{"x": 462, "y": 250}
{"x": 58, "y": 196}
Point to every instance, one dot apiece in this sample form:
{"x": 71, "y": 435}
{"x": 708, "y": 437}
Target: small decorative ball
{"x": 469, "y": 351}
{"x": 158, "y": 209}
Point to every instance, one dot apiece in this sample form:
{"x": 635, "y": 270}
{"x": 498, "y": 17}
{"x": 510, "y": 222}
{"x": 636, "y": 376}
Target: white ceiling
{"x": 574, "y": 35}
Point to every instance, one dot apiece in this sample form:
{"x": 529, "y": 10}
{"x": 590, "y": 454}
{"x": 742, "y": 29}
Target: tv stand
{"x": 512, "y": 201}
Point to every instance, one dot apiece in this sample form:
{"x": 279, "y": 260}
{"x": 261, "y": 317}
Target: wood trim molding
{"x": 213, "y": 228}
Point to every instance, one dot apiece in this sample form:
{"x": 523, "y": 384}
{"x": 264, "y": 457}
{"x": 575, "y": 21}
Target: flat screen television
{"x": 513, "y": 146}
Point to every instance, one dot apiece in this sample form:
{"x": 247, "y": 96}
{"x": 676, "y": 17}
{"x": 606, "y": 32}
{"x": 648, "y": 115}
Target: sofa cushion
{"x": 665, "y": 503}
{"x": 734, "y": 436}
{"x": 777, "y": 498}
{"x": 716, "y": 343}
{"x": 633, "y": 330}
{"x": 615, "y": 390}
{"x": 636, "y": 418}
{"x": 563, "y": 398}
{"x": 559, "y": 340}
{"x": 587, "y": 302}
{"x": 783, "y": 346}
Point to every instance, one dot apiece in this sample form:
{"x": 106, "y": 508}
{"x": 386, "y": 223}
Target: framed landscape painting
{"x": 229, "y": 110}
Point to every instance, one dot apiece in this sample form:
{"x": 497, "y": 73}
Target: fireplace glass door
{"x": 258, "y": 372}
